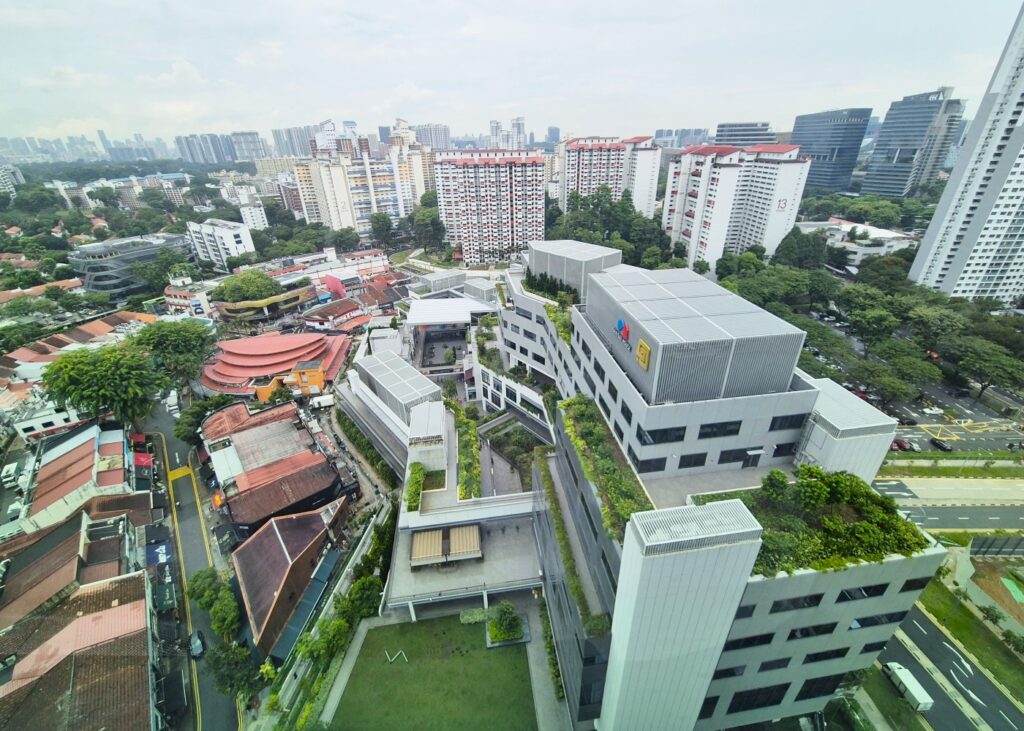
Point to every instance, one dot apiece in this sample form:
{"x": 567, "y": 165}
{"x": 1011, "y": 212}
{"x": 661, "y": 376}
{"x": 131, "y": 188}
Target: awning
{"x": 164, "y": 599}
{"x": 752, "y": 452}
{"x": 142, "y": 459}
{"x": 138, "y": 438}
{"x": 204, "y": 456}
{"x": 426, "y": 548}
{"x": 445, "y": 544}
{"x": 464, "y": 542}
{"x": 170, "y": 693}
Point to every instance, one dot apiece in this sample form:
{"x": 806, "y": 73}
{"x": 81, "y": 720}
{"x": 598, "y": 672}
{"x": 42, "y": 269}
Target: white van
{"x": 10, "y": 475}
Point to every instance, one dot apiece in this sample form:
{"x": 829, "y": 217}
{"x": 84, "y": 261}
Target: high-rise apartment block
{"x": 630, "y": 164}
{"x": 723, "y": 199}
{"x": 10, "y": 176}
{"x": 249, "y": 145}
{"x": 913, "y": 143}
{"x": 294, "y": 141}
{"x": 254, "y": 215}
{"x": 433, "y": 135}
{"x": 206, "y": 148}
{"x": 490, "y": 201}
{"x": 553, "y": 136}
{"x": 743, "y": 134}
{"x": 683, "y": 137}
{"x": 505, "y": 139}
{"x": 974, "y": 246}
{"x": 344, "y": 192}
{"x": 831, "y": 140}
{"x": 216, "y": 239}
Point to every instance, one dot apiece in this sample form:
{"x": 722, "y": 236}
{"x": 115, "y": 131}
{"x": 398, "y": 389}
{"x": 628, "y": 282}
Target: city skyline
{"x": 198, "y": 86}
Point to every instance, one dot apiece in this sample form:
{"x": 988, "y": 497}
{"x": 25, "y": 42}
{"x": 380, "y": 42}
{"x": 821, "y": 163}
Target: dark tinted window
{"x": 784, "y": 450}
{"x": 916, "y": 584}
{"x": 814, "y": 630}
{"x": 707, "y": 708}
{"x": 874, "y": 647}
{"x": 613, "y": 392}
{"x": 799, "y": 602}
{"x": 818, "y": 687}
{"x": 660, "y": 436}
{"x": 878, "y": 619}
{"x": 861, "y": 592}
{"x": 753, "y": 641}
{"x": 693, "y": 460}
{"x": 793, "y": 421}
{"x": 627, "y": 412}
{"x": 729, "y": 672}
{"x": 748, "y": 700}
{"x": 782, "y": 662}
{"x": 747, "y": 610}
{"x": 727, "y": 456}
{"x": 719, "y": 429}
{"x": 826, "y": 655}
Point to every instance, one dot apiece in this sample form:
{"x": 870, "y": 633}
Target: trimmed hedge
{"x": 549, "y": 646}
{"x": 469, "y": 453}
{"x": 414, "y": 487}
{"x": 595, "y": 624}
{"x": 562, "y": 321}
{"x": 366, "y": 448}
{"x": 603, "y": 464}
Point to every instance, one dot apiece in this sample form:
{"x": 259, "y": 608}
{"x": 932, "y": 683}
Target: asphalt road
{"x": 944, "y": 715}
{"x": 987, "y": 700}
{"x": 218, "y": 712}
{"x": 972, "y": 517}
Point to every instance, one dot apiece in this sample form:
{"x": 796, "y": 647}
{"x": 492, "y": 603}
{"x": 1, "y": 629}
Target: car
{"x": 895, "y": 446}
{"x": 960, "y": 393}
{"x": 196, "y": 645}
{"x": 906, "y": 421}
{"x": 932, "y": 411}
{"x": 940, "y": 445}
{"x": 904, "y": 445}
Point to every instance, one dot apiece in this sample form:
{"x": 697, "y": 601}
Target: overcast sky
{"x": 167, "y": 67}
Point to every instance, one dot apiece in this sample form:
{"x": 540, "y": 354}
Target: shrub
{"x": 469, "y": 453}
{"x": 549, "y": 646}
{"x": 367, "y": 450}
{"x": 474, "y": 616}
{"x": 414, "y": 486}
{"x": 992, "y": 614}
{"x": 1014, "y": 641}
{"x": 506, "y": 624}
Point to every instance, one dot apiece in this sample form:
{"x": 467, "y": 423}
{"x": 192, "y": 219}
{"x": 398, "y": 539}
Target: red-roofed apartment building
{"x": 723, "y": 199}
{"x": 629, "y": 164}
{"x": 283, "y": 571}
{"x": 266, "y": 463}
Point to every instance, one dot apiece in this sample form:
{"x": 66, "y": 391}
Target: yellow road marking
{"x": 184, "y": 582}
{"x": 940, "y": 431}
{"x": 178, "y": 472}
{"x": 199, "y": 508}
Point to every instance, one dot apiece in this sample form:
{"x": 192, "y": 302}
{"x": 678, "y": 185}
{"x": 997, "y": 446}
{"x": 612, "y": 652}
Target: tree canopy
{"x": 382, "y": 228}
{"x": 178, "y": 347}
{"x": 252, "y": 284}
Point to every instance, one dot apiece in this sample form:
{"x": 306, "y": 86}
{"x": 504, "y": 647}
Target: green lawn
{"x": 999, "y": 454}
{"x": 401, "y": 256}
{"x": 452, "y": 681}
{"x": 902, "y": 470}
{"x": 890, "y": 703}
{"x": 975, "y": 636}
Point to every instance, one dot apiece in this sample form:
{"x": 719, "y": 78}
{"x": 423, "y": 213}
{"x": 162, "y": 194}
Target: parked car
{"x": 932, "y": 411}
{"x": 895, "y": 446}
{"x": 904, "y": 445}
{"x": 959, "y": 393}
{"x": 940, "y": 445}
{"x": 906, "y": 421}
{"x": 197, "y": 644}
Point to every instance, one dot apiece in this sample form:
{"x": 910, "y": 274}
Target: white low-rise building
{"x": 869, "y": 241}
{"x": 216, "y": 240}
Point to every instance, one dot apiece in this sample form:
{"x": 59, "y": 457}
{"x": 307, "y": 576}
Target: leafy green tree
{"x": 992, "y": 613}
{"x": 364, "y": 596}
{"x": 800, "y": 250}
{"x": 235, "y": 671}
{"x": 186, "y": 428}
{"x": 931, "y": 324}
{"x": 381, "y": 227}
{"x": 331, "y": 638}
{"x": 857, "y": 297}
{"x": 429, "y": 199}
{"x": 346, "y": 239}
{"x": 1014, "y": 641}
{"x": 427, "y": 228}
{"x": 252, "y": 284}
{"x": 116, "y": 379}
{"x": 25, "y": 305}
{"x": 156, "y": 198}
{"x": 776, "y": 485}
{"x": 872, "y": 326}
{"x": 225, "y": 617}
{"x": 279, "y": 395}
{"x": 888, "y": 273}
{"x": 106, "y": 195}
{"x": 204, "y": 587}
{"x": 989, "y": 364}
{"x": 507, "y": 619}
{"x": 156, "y": 274}
{"x": 822, "y": 288}
{"x": 726, "y": 266}
{"x": 178, "y": 347}
{"x": 882, "y": 379}
{"x": 701, "y": 267}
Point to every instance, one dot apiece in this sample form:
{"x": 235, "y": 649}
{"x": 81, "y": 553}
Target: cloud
{"x": 63, "y": 76}
{"x": 264, "y": 52}
{"x": 182, "y": 73}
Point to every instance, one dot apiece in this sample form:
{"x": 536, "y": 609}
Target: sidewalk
{"x": 551, "y": 712}
{"x": 871, "y": 712}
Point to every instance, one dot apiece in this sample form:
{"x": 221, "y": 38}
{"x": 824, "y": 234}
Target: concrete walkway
{"x": 552, "y": 714}
{"x": 871, "y": 712}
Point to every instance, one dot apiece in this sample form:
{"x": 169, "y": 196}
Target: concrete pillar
{"x": 485, "y": 599}
{"x": 412, "y": 611}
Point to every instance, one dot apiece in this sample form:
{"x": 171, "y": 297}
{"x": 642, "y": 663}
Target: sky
{"x": 170, "y": 67}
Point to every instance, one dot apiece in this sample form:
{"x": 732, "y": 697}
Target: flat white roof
{"x": 844, "y": 410}
{"x": 578, "y": 250}
{"x": 694, "y": 526}
{"x": 451, "y": 311}
{"x": 426, "y": 420}
{"x": 397, "y": 376}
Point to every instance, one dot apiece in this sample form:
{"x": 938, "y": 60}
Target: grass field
{"x": 895, "y": 469}
{"x": 401, "y": 256}
{"x": 957, "y": 456}
{"x": 891, "y": 705}
{"x": 452, "y": 681}
{"x": 975, "y": 636}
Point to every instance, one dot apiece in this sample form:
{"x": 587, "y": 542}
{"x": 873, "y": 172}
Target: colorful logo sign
{"x": 622, "y": 329}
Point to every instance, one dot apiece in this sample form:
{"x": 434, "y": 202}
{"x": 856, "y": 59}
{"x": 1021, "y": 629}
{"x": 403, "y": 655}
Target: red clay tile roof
{"x": 710, "y": 150}
{"x": 37, "y": 291}
{"x": 333, "y": 309}
{"x": 236, "y": 417}
{"x": 253, "y": 505}
{"x": 275, "y": 471}
{"x": 64, "y": 475}
{"x": 240, "y": 362}
{"x": 38, "y": 581}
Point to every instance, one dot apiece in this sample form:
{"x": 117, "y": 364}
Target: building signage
{"x": 622, "y": 330}
{"x": 643, "y": 354}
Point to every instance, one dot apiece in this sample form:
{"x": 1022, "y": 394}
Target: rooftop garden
{"x": 251, "y": 284}
{"x": 822, "y": 521}
{"x": 469, "y": 452}
{"x": 551, "y": 287}
{"x": 604, "y": 464}
{"x": 595, "y": 624}
{"x": 414, "y": 486}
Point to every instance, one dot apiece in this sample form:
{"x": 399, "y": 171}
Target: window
{"x": 524, "y": 313}
{"x": 599, "y": 371}
{"x": 826, "y": 655}
{"x": 530, "y": 335}
{"x": 693, "y": 460}
{"x": 589, "y": 381}
{"x": 874, "y": 647}
{"x": 604, "y": 406}
{"x": 656, "y": 464}
{"x": 815, "y": 630}
{"x": 660, "y": 436}
{"x": 586, "y": 348}
{"x": 753, "y": 641}
{"x": 613, "y": 392}
{"x": 729, "y": 672}
{"x": 516, "y": 329}
{"x": 746, "y": 610}
{"x": 540, "y": 319}
{"x": 782, "y": 662}
{"x": 748, "y": 700}
{"x": 878, "y": 619}
{"x": 707, "y": 708}
{"x": 784, "y": 450}
{"x": 726, "y": 456}
{"x": 47, "y": 424}
{"x": 861, "y": 592}
{"x": 793, "y": 421}
{"x": 523, "y": 350}
{"x": 916, "y": 584}
{"x": 719, "y": 429}
{"x": 510, "y": 344}
{"x": 818, "y": 687}
{"x": 538, "y": 358}
{"x": 626, "y": 412}
{"x": 618, "y": 431}
{"x": 800, "y": 602}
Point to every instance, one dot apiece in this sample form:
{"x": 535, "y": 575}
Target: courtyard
{"x": 451, "y": 681}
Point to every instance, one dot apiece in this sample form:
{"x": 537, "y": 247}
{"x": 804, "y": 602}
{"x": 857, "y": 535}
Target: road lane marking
{"x": 923, "y": 630}
{"x": 961, "y": 658}
{"x": 961, "y": 518}
{"x": 1008, "y": 720}
{"x": 199, "y": 509}
{"x": 993, "y": 518}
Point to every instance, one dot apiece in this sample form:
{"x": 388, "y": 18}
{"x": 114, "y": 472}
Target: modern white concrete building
{"x": 433, "y": 135}
{"x": 870, "y": 241}
{"x": 723, "y": 199}
{"x": 344, "y": 192}
{"x": 490, "y": 201}
{"x": 216, "y": 239}
{"x": 974, "y": 246}
{"x": 630, "y": 164}
{"x": 742, "y": 134}
{"x": 10, "y": 176}
{"x": 254, "y": 216}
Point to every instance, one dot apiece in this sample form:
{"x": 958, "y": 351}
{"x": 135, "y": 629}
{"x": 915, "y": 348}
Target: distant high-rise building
{"x": 974, "y": 246}
{"x": 293, "y": 141}
{"x": 913, "y": 143}
{"x": 508, "y": 139}
{"x": 683, "y": 137}
{"x": 344, "y": 193}
{"x": 519, "y": 138}
{"x": 553, "y": 135}
{"x": 871, "y": 132}
{"x": 249, "y": 145}
{"x": 254, "y": 215}
{"x": 743, "y": 134}
{"x": 104, "y": 141}
{"x": 496, "y": 135}
{"x": 10, "y": 176}
{"x": 384, "y": 132}
{"x": 433, "y": 135}
{"x": 724, "y": 199}
{"x": 832, "y": 141}
{"x": 632, "y": 164}
{"x": 491, "y": 202}
{"x": 216, "y": 240}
